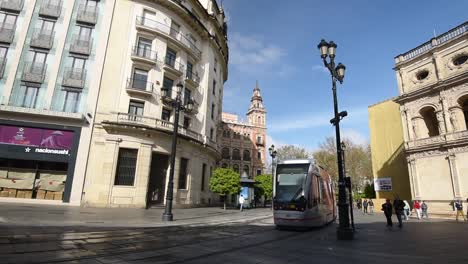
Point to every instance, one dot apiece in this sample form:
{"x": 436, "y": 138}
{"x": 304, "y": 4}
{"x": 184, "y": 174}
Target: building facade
{"x": 51, "y": 57}
{"x": 156, "y": 45}
{"x": 243, "y": 143}
{"x": 433, "y": 98}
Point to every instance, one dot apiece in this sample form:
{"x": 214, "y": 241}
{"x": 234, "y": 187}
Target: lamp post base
{"x": 167, "y": 217}
{"x": 345, "y": 234}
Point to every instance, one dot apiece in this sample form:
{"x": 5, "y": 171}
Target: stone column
{"x": 452, "y": 159}
{"x": 406, "y": 124}
{"x": 414, "y": 179}
{"x": 441, "y": 122}
{"x": 446, "y": 113}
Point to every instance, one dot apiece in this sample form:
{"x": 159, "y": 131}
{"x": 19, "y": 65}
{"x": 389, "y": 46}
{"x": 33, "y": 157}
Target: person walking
{"x": 364, "y": 205}
{"x": 371, "y": 206}
{"x": 459, "y": 207}
{"x": 387, "y": 208}
{"x": 241, "y": 202}
{"x": 399, "y": 206}
{"x": 359, "y": 204}
{"x": 424, "y": 208}
{"x": 407, "y": 210}
{"x": 417, "y": 208}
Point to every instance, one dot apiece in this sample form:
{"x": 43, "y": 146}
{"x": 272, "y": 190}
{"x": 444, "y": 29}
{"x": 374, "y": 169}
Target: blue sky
{"x": 275, "y": 42}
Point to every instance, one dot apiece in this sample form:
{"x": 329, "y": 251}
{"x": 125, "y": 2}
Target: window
{"x": 47, "y": 27}
{"x": 187, "y": 95}
{"x": 259, "y": 155}
{"x": 246, "y": 170}
{"x": 187, "y": 122}
{"x": 38, "y": 64}
{"x": 236, "y": 154}
{"x": 224, "y": 165}
{"x": 7, "y": 21}
{"x": 225, "y": 153}
{"x": 430, "y": 119}
{"x": 211, "y": 133}
{"x": 212, "y": 111}
{"x": 459, "y": 60}
{"x": 226, "y": 134}
{"x": 126, "y": 167}
{"x": 175, "y": 29}
{"x": 183, "y": 173}
{"x": 259, "y": 172}
{"x": 214, "y": 87}
{"x": 148, "y": 17}
{"x": 136, "y": 108}
{"x": 422, "y": 75}
{"x": 189, "y": 70}
{"x": 203, "y": 177}
{"x": 78, "y": 69}
{"x": 140, "y": 78}
{"x": 167, "y": 84}
{"x": 235, "y": 167}
{"x": 246, "y": 155}
{"x": 84, "y": 33}
{"x": 171, "y": 56}
{"x": 30, "y": 97}
{"x": 259, "y": 139}
{"x": 215, "y": 64}
{"x": 166, "y": 114}
{"x": 91, "y": 4}
{"x": 3, "y": 56}
{"x": 71, "y": 102}
{"x": 144, "y": 48}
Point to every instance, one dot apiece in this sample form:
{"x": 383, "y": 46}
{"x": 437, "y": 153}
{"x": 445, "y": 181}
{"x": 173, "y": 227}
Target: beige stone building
{"x": 243, "y": 143}
{"x": 156, "y": 45}
{"x": 433, "y": 98}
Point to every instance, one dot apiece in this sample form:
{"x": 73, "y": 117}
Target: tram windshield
{"x": 290, "y": 181}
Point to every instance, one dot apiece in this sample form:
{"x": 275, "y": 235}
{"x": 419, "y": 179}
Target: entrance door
{"x": 157, "y": 181}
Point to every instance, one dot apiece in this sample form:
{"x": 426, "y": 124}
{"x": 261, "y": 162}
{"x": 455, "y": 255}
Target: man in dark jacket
{"x": 399, "y": 206}
{"x": 387, "y": 208}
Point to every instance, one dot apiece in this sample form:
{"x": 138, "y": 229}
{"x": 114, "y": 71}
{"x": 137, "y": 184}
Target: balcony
{"x": 439, "y": 141}
{"x": 74, "y": 78}
{"x": 34, "y": 72}
{"x": 87, "y": 15}
{"x": 192, "y": 78}
{"x": 42, "y": 39}
{"x": 174, "y": 67}
{"x": 144, "y": 55}
{"x": 50, "y": 9}
{"x": 259, "y": 142}
{"x": 2, "y": 66}
{"x": 7, "y": 33}
{"x": 81, "y": 45}
{"x": 139, "y": 87}
{"x": 173, "y": 35}
{"x": 12, "y": 5}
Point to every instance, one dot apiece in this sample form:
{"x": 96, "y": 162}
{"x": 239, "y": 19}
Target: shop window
{"x": 183, "y": 173}
{"x": 126, "y": 167}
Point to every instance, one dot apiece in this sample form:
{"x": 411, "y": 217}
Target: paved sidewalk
{"x": 51, "y": 215}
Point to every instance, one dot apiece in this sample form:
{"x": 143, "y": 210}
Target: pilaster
{"x": 452, "y": 159}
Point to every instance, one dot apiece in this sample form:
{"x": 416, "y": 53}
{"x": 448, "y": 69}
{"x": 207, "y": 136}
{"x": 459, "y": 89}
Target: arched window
{"x": 225, "y": 153}
{"x": 236, "y": 154}
{"x": 235, "y": 167}
{"x": 430, "y": 119}
{"x": 246, "y": 155}
{"x": 246, "y": 170}
{"x": 464, "y": 105}
{"x": 224, "y": 165}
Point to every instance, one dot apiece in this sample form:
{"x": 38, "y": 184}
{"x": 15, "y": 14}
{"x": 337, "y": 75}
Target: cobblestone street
{"x": 244, "y": 237}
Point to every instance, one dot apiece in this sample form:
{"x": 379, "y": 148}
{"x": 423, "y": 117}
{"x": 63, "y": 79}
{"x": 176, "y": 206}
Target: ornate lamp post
{"x": 273, "y": 153}
{"x": 178, "y": 106}
{"x": 328, "y": 49}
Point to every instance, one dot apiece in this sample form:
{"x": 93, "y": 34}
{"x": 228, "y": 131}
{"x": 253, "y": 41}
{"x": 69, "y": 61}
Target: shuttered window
{"x": 126, "y": 167}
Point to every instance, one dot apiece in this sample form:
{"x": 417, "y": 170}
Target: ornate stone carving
{"x": 454, "y": 120}
{"x": 429, "y": 153}
{"x": 440, "y": 121}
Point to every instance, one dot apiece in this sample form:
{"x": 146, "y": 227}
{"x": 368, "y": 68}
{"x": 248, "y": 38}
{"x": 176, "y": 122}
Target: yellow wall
{"x": 387, "y": 148}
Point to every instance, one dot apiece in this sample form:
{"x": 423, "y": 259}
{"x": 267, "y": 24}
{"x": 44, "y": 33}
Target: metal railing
{"x": 74, "y": 77}
{"x": 81, "y": 45}
{"x": 190, "y": 75}
{"x": 42, "y": 38}
{"x": 2, "y": 66}
{"x": 7, "y": 32}
{"x": 88, "y": 15}
{"x": 449, "y": 35}
{"x": 50, "y": 9}
{"x": 144, "y": 53}
{"x": 172, "y": 63}
{"x": 12, "y": 5}
{"x": 34, "y": 72}
{"x": 169, "y": 31}
{"x": 139, "y": 85}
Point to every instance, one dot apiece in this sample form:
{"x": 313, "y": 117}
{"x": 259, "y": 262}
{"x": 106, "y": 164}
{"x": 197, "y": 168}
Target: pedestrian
{"x": 241, "y": 202}
{"x": 406, "y": 210}
{"x": 364, "y": 205}
{"x": 424, "y": 208}
{"x": 371, "y": 206}
{"x": 359, "y": 204}
{"x": 399, "y": 206}
{"x": 458, "y": 204}
{"x": 417, "y": 208}
{"x": 387, "y": 208}
{"x": 467, "y": 208}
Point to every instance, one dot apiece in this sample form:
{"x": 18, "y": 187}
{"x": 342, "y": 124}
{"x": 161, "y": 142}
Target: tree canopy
{"x": 292, "y": 152}
{"x": 264, "y": 186}
{"x": 225, "y": 181}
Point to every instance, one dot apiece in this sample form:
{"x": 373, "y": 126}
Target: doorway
{"x": 157, "y": 180}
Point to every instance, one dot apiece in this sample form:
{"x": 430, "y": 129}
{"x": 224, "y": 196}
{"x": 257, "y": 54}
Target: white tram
{"x": 302, "y": 195}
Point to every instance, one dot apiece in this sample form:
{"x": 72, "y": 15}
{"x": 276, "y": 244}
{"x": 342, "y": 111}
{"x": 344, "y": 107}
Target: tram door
{"x": 157, "y": 181}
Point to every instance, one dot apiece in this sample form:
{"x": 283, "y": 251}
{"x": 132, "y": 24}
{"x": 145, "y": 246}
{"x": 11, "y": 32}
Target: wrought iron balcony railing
{"x": 75, "y": 78}
{"x": 139, "y": 85}
{"x": 34, "y": 72}
{"x": 42, "y": 38}
{"x": 12, "y": 5}
{"x": 192, "y": 76}
{"x": 81, "y": 45}
{"x": 51, "y": 8}
{"x": 173, "y": 64}
{"x": 7, "y": 32}
{"x": 144, "y": 53}
{"x": 167, "y": 30}
{"x": 88, "y": 15}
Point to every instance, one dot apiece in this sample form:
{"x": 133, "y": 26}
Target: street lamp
{"x": 328, "y": 49}
{"x": 273, "y": 153}
{"x": 178, "y": 106}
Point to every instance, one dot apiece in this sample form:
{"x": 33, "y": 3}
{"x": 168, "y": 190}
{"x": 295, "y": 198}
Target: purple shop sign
{"x": 36, "y": 137}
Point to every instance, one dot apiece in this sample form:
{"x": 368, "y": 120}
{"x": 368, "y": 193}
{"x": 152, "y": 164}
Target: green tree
{"x": 264, "y": 186}
{"x": 369, "y": 191}
{"x": 292, "y": 152}
{"x": 224, "y": 182}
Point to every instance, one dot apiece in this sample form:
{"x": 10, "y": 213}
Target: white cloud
{"x": 355, "y": 136}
